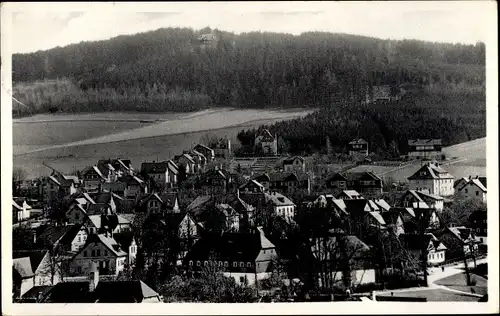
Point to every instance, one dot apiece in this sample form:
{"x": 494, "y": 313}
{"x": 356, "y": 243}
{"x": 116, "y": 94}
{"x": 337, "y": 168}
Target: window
{"x": 205, "y": 263}
{"x": 242, "y": 280}
{"x": 235, "y": 264}
{"x": 220, "y": 263}
{"x": 79, "y": 239}
{"x": 191, "y": 262}
{"x": 98, "y": 252}
{"x": 105, "y": 252}
{"x": 249, "y": 265}
{"x": 85, "y": 253}
{"x": 466, "y": 191}
{"x": 477, "y": 193}
{"x": 198, "y": 263}
{"x": 242, "y": 264}
{"x": 93, "y": 253}
{"x": 226, "y": 264}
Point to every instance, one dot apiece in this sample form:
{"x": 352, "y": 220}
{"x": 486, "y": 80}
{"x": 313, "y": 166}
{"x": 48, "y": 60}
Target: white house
{"x": 103, "y": 250}
{"x": 432, "y": 179}
{"x": 282, "y": 205}
{"x": 20, "y": 213}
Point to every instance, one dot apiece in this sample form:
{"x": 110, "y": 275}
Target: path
{"x": 436, "y": 274}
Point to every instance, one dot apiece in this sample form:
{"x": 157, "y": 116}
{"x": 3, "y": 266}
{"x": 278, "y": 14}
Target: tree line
{"x": 166, "y": 69}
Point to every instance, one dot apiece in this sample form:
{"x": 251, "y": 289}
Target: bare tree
{"x": 55, "y": 265}
{"x": 18, "y": 176}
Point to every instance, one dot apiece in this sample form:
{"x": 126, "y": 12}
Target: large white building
{"x": 433, "y": 179}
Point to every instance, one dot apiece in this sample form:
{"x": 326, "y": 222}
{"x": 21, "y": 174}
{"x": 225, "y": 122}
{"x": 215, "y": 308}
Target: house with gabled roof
{"x": 394, "y": 222}
{"x": 363, "y": 182}
{"x": 222, "y": 148}
{"x": 284, "y": 181}
{"x": 349, "y": 195}
{"x": 246, "y": 257}
{"x": 63, "y": 239}
{"x": 164, "y": 174}
{"x": 422, "y": 199}
{"x": 216, "y": 180}
{"x": 252, "y": 186}
{"x": 471, "y": 188}
{"x": 92, "y": 178}
{"x": 30, "y": 268}
{"x": 295, "y": 163}
{"x": 281, "y": 205}
{"x": 462, "y": 240}
{"x": 358, "y": 147}
{"x": 425, "y": 148}
{"x": 103, "y": 250}
{"x": 20, "y": 212}
{"x": 59, "y": 183}
{"x": 206, "y": 151}
{"x": 133, "y": 185}
{"x": 266, "y": 143}
{"x": 432, "y": 178}
{"x": 416, "y": 243}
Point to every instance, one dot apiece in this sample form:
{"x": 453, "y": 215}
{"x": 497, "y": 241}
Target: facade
{"x": 479, "y": 225}
{"x": 92, "y": 179}
{"x": 20, "y": 212}
{"x": 32, "y": 268}
{"x": 252, "y": 186}
{"x": 294, "y": 164}
{"x": 246, "y": 257}
{"x": 100, "y": 249}
{"x": 57, "y": 183}
{"x": 222, "y": 148}
{"x": 282, "y": 206}
{"x": 473, "y": 188}
{"x": 436, "y": 250}
{"x": 266, "y": 144}
{"x": 206, "y": 151}
{"x": 358, "y": 147}
{"x": 284, "y": 181}
{"x": 418, "y": 199}
{"x": 164, "y": 174}
{"x": 362, "y": 182}
{"x": 433, "y": 179}
{"x": 209, "y": 40}
{"x": 425, "y": 149}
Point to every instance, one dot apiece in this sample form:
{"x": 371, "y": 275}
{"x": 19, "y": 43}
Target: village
{"x": 109, "y": 232}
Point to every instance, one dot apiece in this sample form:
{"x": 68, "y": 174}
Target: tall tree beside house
{"x": 18, "y": 176}
{"x": 56, "y": 266}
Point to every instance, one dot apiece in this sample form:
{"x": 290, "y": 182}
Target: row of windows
{"x": 478, "y": 230}
{"x": 467, "y": 191}
{"x": 220, "y": 264}
{"x": 95, "y": 253}
{"x": 437, "y": 256}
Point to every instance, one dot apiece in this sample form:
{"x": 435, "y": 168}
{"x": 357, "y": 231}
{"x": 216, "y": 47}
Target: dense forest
{"x": 453, "y": 116}
{"x": 167, "y": 69}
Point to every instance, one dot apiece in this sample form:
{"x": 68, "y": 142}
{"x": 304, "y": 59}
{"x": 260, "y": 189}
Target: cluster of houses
{"x": 97, "y": 234}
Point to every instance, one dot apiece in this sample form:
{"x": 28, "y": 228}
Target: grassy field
{"x": 475, "y": 163}
{"x": 70, "y": 144}
{"x": 459, "y": 282}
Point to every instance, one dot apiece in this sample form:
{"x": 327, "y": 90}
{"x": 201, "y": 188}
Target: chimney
{"x": 470, "y": 177}
{"x": 94, "y": 276}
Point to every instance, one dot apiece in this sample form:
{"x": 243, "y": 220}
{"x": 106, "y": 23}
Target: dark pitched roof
{"x": 354, "y": 176}
{"x": 123, "y": 292}
{"x": 124, "y": 240}
{"x": 358, "y": 141}
{"x": 415, "y": 241}
{"x": 36, "y": 291}
{"x": 53, "y": 234}
{"x": 69, "y": 292}
{"x": 422, "y": 142}
{"x": 242, "y": 247}
{"x": 154, "y": 167}
{"x": 431, "y": 171}
{"x": 266, "y": 135}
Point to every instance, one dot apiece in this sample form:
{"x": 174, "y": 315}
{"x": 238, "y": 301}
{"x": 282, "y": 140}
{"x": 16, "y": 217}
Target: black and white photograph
{"x": 250, "y": 152}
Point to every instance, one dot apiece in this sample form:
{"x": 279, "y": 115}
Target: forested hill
{"x": 166, "y": 69}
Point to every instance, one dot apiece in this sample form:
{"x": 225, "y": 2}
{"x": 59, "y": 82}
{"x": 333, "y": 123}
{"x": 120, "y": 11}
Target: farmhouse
{"x": 436, "y": 250}
{"x": 424, "y": 148}
{"x": 418, "y": 199}
{"x": 282, "y": 206}
{"x": 433, "y": 179}
{"x": 57, "y": 183}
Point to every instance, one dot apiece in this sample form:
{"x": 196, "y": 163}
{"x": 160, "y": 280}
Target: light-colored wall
{"x": 79, "y": 241}
{"x": 442, "y": 187}
{"x": 471, "y": 193}
{"x": 116, "y": 264}
{"x": 482, "y": 239}
{"x": 436, "y": 257}
{"x": 360, "y": 276}
{"x": 285, "y": 211}
{"x": 26, "y": 285}
{"x": 75, "y": 216}
{"x": 251, "y": 277}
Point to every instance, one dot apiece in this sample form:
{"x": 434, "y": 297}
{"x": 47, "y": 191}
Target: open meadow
{"x": 71, "y": 142}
